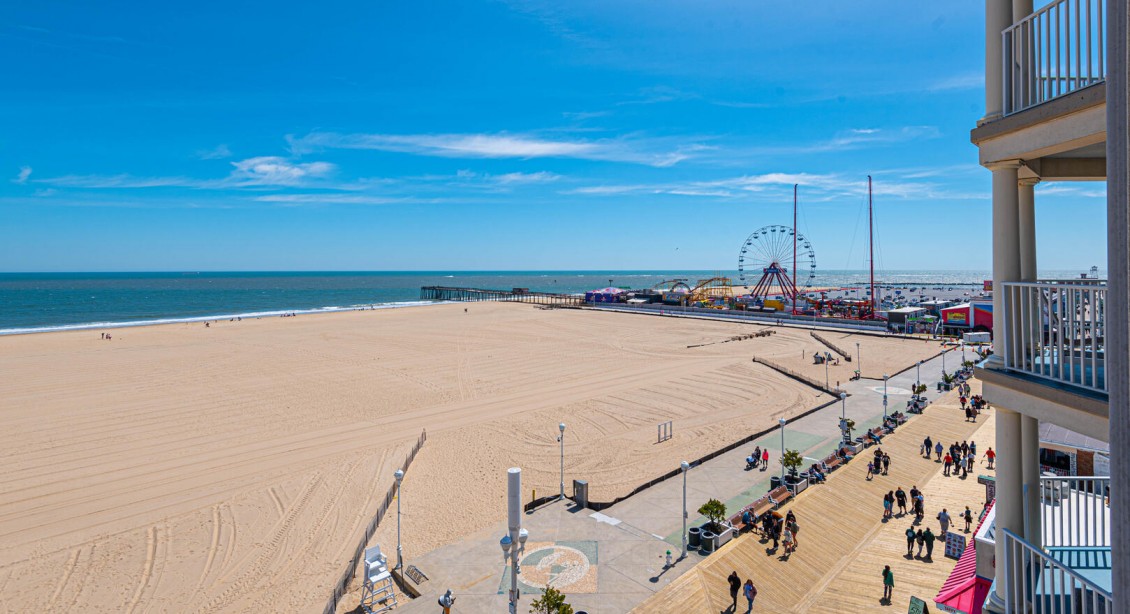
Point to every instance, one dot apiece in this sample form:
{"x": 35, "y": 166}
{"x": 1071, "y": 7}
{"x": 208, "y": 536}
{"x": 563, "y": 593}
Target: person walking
{"x": 888, "y": 504}
{"x": 870, "y": 469}
{"x": 764, "y": 459}
{"x": 886, "y": 463}
{"x": 968, "y": 516}
{"x": 929, "y": 538}
{"x": 910, "y": 537}
{"x": 756, "y": 456}
{"x": 888, "y": 583}
{"x": 991, "y": 456}
{"x": 735, "y": 586}
{"x": 944, "y": 521}
{"x": 927, "y": 445}
{"x": 750, "y": 594}
{"x": 946, "y": 462}
{"x": 938, "y": 451}
{"x": 900, "y": 496}
{"x": 920, "y": 537}
{"x": 787, "y": 540}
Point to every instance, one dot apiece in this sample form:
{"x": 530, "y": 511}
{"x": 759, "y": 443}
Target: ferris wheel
{"x": 767, "y": 255}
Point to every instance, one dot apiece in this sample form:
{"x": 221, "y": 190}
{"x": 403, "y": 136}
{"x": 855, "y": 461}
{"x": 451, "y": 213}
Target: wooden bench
{"x": 831, "y": 462}
{"x": 779, "y": 495}
{"x": 760, "y": 507}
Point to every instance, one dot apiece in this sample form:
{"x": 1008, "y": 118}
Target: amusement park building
{"x": 1056, "y": 90}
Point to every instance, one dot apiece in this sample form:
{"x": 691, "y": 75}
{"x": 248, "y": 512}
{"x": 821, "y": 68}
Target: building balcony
{"x": 1053, "y": 52}
{"x": 1049, "y": 358}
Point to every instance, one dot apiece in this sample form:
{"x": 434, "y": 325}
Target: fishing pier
{"x": 518, "y": 295}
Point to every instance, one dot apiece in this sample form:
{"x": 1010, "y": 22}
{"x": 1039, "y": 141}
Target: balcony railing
{"x": 1052, "y": 52}
{"x": 1056, "y": 331}
{"x": 1075, "y": 511}
{"x": 1054, "y": 581}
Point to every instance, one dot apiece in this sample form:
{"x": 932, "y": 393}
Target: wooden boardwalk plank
{"x": 843, "y": 541}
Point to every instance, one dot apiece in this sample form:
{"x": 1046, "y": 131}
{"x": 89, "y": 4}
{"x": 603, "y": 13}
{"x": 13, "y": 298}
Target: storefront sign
{"x": 955, "y": 544}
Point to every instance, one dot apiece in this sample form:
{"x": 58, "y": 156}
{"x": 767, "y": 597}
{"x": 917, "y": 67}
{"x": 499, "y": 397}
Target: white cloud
{"x": 296, "y": 200}
{"x": 220, "y": 152}
{"x": 25, "y": 172}
{"x": 652, "y": 152}
{"x": 274, "y": 170}
{"x": 965, "y": 81}
{"x": 518, "y": 178}
{"x": 122, "y": 181}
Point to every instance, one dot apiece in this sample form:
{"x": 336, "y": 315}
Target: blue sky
{"x": 498, "y": 135}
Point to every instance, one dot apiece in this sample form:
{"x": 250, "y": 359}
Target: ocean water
{"x": 38, "y": 302}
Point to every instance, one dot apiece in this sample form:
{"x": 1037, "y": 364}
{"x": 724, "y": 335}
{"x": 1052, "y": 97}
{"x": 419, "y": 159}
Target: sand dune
{"x": 232, "y": 468}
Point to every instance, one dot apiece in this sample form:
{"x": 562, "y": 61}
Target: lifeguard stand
{"x": 378, "y": 594}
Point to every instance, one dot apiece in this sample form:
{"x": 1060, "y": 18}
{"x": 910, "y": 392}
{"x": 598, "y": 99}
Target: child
{"x": 888, "y": 583}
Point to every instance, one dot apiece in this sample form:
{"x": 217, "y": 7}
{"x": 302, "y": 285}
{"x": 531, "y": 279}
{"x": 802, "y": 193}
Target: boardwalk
{"x": 843, "y": 541}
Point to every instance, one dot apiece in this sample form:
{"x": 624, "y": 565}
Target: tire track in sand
{"x": 213, "y": 547}
{"x": 72, "y": 563}
{"x": 147, "y": 571}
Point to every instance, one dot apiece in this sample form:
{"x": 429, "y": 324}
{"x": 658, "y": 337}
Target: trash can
{"x": 774, "y": 482}
{"x": 707, "y": 541}
{"x": 581, "y": 493}
{"x": 694, "y": 537}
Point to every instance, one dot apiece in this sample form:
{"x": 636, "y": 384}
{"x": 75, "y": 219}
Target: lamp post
{"x": 686, "y": 467}
{"x": 825, "y": 373}
{"x": 399, "y": 475}
{"x": 782, "y": 422}
{"x": 963, "y": 354}
{"x": 843, "y": 416}
{"x": 561, "y": 438}
{"x": 943, "y": 362}
{"x": 918, "y": 373}
{"x": 884, "y": 398}
{"x": 514, "y": 542}
{"x": 858, "y": 360}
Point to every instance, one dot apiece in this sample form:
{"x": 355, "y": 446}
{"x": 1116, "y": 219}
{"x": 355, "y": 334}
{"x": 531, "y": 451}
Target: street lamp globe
{"x": 685, "y": 465}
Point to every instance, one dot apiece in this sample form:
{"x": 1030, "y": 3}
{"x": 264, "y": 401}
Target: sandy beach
{"x": 231, "y": 468}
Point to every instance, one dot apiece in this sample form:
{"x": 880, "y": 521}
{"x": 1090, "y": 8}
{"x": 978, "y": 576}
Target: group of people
{"x": 880, "y": 465}
{"x": 748, "y": 590}
{"x": 898, "y": 497}
{"x": 960, "y": 458}
{"x": 782, "y": 530}
{"x": 759, "y": 458}
{"x": 922, "y": 538}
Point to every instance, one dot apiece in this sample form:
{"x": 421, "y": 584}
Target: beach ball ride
{"x": 768, "y": 253}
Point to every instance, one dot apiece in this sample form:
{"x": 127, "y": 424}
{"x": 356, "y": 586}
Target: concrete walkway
{"x": 612, "y": 561}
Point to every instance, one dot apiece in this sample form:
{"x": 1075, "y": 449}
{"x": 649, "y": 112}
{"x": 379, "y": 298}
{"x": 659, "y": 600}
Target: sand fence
{"x": 350, "y": 571}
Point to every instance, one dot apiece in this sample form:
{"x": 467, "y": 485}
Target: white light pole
{"x": 514, "y": 542}
{"x": 884, "y": 398}
{"x": 561, "y": 427}
{"x": 825, "y": 373}
{"x": 686, "y": 467}
{"x": 858, "y": 361}
{"x": 943, "y": 362}
{"x": 963, "y": 354}
{"x": 399, "y": 475}
{"x": 843, "y": 415}
{"x": 918, "y": 373}
{"x": 782, "y": 421}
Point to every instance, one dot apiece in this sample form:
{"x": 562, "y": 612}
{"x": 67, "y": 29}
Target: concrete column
{"x": 998, "y": 16}
{"x": 1020, "y": 10}
{"x": 1030, "y": 474}
{"x": 1009, "y": 506}
{"x": 1006, "y": 243}
{"x": 1118, "y": 294}
{"x": 1027, "y": 220}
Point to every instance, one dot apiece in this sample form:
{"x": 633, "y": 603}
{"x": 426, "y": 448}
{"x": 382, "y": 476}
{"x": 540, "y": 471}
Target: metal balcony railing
{"x": 1075, "y": 511}
{"x": 1056, "y": 331}
{"x": 1040, "y": 582}
{"x": 1052, "y": 52}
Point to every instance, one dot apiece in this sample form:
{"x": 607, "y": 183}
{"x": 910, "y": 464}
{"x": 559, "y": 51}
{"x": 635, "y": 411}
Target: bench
{"x": 760, "y": 507}
{"x": 779, "y": 495}
{"x": 831, "y": 462}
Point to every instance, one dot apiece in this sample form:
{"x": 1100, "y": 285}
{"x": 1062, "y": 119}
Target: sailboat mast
{"x": 794, "y": 250}
{"x": 871, "y": 242}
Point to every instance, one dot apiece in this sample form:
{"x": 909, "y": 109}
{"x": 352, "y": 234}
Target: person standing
{"x": 756, "y": 456}
{"x": 928, "y": 536}
{"x": 750, "y": 594}
{"x": 764, "y": 459}
{"x": 735, "y": 586}
{"x": 968, "y": 516}
{"x": 944, "y": 521}
{"x": 886, "y": 463}
{"x": 946, "y": 462}
{"x": 989, "y": 454}
{"x": 900, "y": 496}
{"x": 888, "y": 583}
{"x": 920, "y": 537}
{"x": 870, "y": 469}
{"x": 910, "y": 538}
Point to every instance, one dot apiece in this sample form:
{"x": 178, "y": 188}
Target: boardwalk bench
{"x": 760, "y": 507}
{"x": 831, "y": 462}
{"x": 779, "y": 495}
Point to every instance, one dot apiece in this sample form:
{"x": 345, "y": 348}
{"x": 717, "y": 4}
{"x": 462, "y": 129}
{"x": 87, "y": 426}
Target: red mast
{"x": 794, "y": 249}
{"x": 871, "y": 242}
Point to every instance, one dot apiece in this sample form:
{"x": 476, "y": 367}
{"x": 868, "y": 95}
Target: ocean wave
{"x": 212, "y": 318}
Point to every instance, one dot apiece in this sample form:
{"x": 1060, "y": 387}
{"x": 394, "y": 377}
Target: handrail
{"x": 1035, "y": 582}
{"x": 1055, "y": 331}
{"x": 1076, "y": 508}
{"x": 1054, "y": 51}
